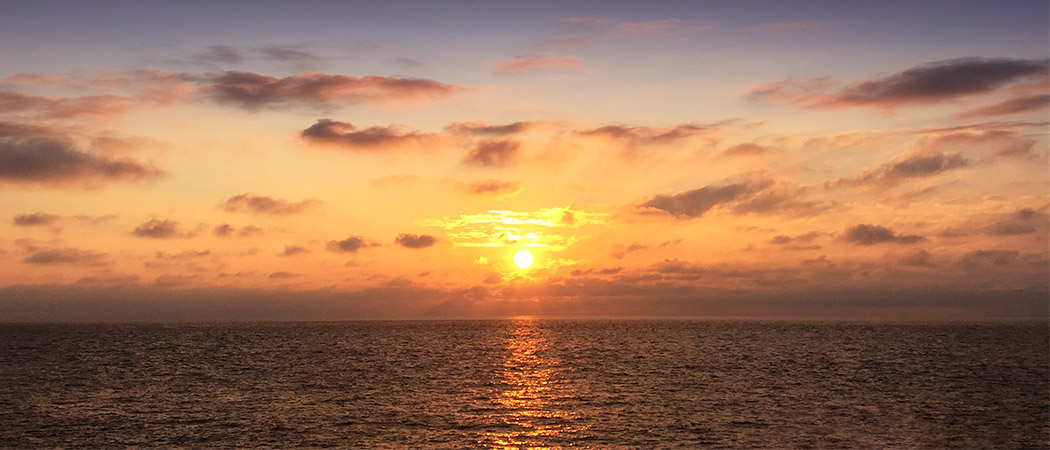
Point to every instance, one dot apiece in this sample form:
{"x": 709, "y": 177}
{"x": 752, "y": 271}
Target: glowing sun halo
{"x": 523, "y": 259}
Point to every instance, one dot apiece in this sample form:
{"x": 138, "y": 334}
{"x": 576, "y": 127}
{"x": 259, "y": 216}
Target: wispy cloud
{"x": 930, "y": 83}
{"x": 659, "y": 27}
{"x": 264, "y": 204}
{"x": 865, "y": 234}
{"x": 254, "y": 91}
{"x": 35, "y": 219}
{"x": 494, "y": 153}
{"x": 906, "y": 167}
{"x": 161, "y": 229}
{"x": 494, "y": 187}
{"x": 346, "y": 135}
{"x": 71, "y": 256}
{"x": 522, "y": 64}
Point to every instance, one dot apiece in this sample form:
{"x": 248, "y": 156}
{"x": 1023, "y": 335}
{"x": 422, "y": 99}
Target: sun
{"x": 523, "y": 259}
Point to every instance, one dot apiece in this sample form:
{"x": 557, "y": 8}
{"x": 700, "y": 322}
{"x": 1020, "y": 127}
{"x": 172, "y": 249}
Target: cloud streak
{"x": 254, "y": 91}
{"x": 264, "y": 204}
{"x": 865, "y": 234}
{"x": 523, "y": 64}
{"x": 346, "y": 135}
{"x": 930, "y": 83}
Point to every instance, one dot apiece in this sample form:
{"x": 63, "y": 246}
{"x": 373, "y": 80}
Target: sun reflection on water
{"x": 530, "y": 403}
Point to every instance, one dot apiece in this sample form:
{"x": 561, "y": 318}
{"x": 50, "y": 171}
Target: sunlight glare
{"x": 523, "y": 259}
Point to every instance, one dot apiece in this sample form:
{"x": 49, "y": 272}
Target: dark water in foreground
{"x": 526, "y": 383}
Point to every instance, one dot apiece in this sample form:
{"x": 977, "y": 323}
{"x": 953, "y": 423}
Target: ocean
{"x": 526, "y": 383}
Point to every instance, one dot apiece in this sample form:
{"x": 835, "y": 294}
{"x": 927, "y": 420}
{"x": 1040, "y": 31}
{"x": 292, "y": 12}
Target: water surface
{"x": 526, "y": 383}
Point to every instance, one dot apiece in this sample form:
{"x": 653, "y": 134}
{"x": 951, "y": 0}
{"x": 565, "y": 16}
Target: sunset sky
{"x": 343, "y": 160}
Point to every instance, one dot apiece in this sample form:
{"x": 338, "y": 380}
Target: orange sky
{"x": 647, "y": 168}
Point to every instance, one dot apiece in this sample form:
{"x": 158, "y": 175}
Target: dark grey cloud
{"x": 925, "y": 84}
{"x": 282, "y": 275}
{"x": 494, "y": 153}
{"x": 262, "y": 204}
{"x": 38, "y": 218}
{"x": 159, "y": 229}
{"x": 71, "y": 256}
{"x": 349, "y": 245}
{"x": 483, "y": 129}
{"x": 254, "y": 91}
{"x": 54, "y": 162}
{"x": 911, "y": 166}
{"x": 696, "y": 202}
{"x": 493, "y": 187}
{"x": 874, "y": 234}
{"x": 415, "y": 240}
{"x": 942, "y": 80}
{"x": 346, "y": 135}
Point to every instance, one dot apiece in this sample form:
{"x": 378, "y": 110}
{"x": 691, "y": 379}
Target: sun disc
{"x": 523, "y": 259}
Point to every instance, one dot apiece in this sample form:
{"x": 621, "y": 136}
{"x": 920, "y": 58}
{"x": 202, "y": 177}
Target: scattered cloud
{"x": 659, "y": 27}
{"x": 643, "y": 135}
{"x": 522, "y": 64}
{"x": 994, "y": 142}
{"x": 346, "y": 135}
{"x": 873, "y": 234}
{"x": 695, "y": 203}
{"x": 415, "y": 240}
{"x": 494, "y": 187}
{"x": 1015, "y": 105}
{"x": 292, "y": 250}
{"x": 635, "y": 247}
{"x": 494, "y": 153}
{"x": 54, "y": 162}
{"x": 160, "y": 229}
{"x": 754, "y": 196}
{"x": 746, "y": 149}
{"x": 254, "y": 91}
{"x": 262, "y": 204}
{"x": 219, "y": 54}
{"x": 584, "y": 21}
{"x": 777, "y": 27}
{"x": 349, "y": 245}
{"x": 922, "y": 258}
{"x": 904, "y": 168}
{"x": 35, "y": 219}
{"x": 282, "y": 275}
{"x": 478, "y": 128}
{"x": 1020, "y": 222}
{"x": 929, "y": 83}
{"x": 69, "y": 256}
{"x": 227, "y": 230}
